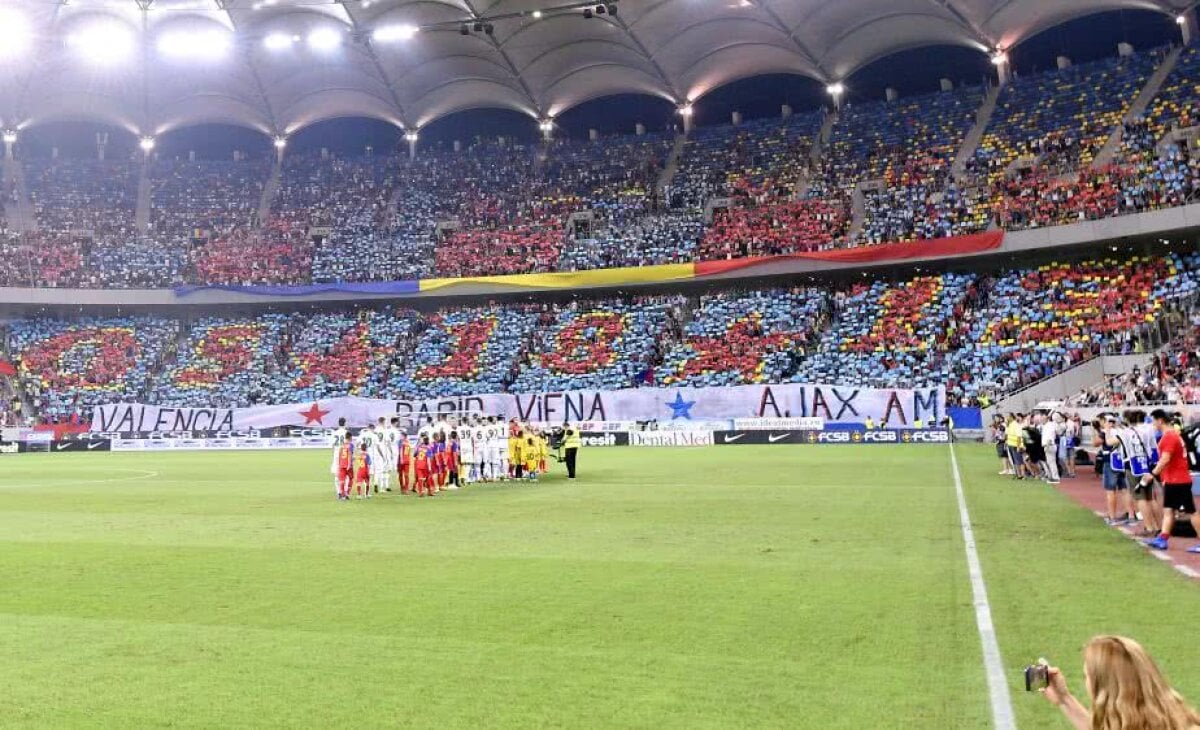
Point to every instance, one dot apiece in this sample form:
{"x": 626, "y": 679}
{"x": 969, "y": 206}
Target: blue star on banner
{"x": 681, "y": 408}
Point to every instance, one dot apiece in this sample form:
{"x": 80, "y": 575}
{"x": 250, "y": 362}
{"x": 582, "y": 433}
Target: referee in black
{"x": 571, "y": 444}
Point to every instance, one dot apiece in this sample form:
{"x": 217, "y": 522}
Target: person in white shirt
{"x": 337, "y": 440}
{"x": 387, "y": 456}
{"x": 466, "y": 448}
{"x": 1049, "y": 431}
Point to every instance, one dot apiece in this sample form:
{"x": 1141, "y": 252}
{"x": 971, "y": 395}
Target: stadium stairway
{"x": 269, "y": 190}
{"x": 20, "y": 212}
{"x": 971, "y": 142}
{"x": 858, "y": 210}
{"x": 818, "y": 149}
{"x": 1138, "y": 107}
{"x": 672, "y": 165}
{"x": 142, "y": 212}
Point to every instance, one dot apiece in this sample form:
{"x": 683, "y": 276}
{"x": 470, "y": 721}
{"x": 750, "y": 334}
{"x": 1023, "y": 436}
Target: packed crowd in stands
{"x": 773, "y": 229}
{"x": 1062, "y": 117}
{"x": 759, "y": 160}
{"x": 1171, "y": 376}
{"x": 980, "y": 335}
{"x": 659, "y": 238}
{"x": 508, "y": 207}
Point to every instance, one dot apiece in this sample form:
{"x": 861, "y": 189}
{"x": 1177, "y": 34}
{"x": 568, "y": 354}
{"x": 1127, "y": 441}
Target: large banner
{"x": 897, "y": 408}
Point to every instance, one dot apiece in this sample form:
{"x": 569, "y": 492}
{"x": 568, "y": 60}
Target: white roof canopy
{"x": 675, "y": 49}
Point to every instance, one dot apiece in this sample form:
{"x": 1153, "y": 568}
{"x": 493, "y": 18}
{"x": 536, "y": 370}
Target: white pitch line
{"x": 1002, "y": 709}
{"x": 141, "y": 474}
{"x": 1189, "y": 572}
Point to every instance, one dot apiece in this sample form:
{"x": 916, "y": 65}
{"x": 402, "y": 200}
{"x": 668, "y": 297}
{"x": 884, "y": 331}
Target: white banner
{"x": 779, "y": 424}
{"x": 898, "y": 408}
{"x": 218, "y": 444}
{"x": 670, "y": 438}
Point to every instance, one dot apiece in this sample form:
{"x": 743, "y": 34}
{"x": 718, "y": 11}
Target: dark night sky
{"x": 910, "y": 72}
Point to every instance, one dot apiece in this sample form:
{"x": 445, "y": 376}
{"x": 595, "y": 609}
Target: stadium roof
{"x": 279, "y": 65}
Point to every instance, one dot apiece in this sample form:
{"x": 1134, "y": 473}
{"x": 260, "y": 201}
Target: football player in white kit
{"x": 383, "y": 460}
{"x": 426, "y": 430}
{"x": 338, "y": 436}
{"x": 381, "y": 457}
{"x": 466, "y": 449}
{"x": 492, "y": 450}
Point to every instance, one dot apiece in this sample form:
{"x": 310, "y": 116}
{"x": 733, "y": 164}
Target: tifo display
{"x": 978, "y": 335}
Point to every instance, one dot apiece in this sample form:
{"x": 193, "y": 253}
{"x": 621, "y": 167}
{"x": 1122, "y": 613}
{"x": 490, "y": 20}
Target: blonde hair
{"x": 1129, "y": 692}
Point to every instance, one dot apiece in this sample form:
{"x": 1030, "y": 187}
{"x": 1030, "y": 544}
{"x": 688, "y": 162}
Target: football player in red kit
{"x": 404, "y": 462}
{"x": 362, "y": 474}
{"x": 422, "y": 457}
{"x": 345, "y": 463}
{"x": 440, "y": 465}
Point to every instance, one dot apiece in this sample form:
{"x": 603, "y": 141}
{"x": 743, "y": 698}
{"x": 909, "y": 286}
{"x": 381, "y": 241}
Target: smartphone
{"x": 1037, "y": 676}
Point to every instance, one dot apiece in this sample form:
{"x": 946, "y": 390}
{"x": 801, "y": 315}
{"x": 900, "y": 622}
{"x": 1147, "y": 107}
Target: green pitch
{"x": 725, "y": 587}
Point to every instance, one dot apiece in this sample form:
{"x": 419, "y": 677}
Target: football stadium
{"x": 615, "y": 364}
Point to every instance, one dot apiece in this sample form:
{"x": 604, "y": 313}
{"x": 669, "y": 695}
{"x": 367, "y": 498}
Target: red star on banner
{"x": 314, "y": 415}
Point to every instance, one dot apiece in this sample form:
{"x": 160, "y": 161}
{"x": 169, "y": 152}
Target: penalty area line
{"x": 1001, "y": 700}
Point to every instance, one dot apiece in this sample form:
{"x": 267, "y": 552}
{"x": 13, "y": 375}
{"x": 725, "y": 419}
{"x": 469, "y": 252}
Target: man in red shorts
{"x": 362, "y": 474}
{"x": 421, "y": 468}
{"x": 1172, "y": 469}
{"x": 404, "y": 458}
{"x": 345, "y": 465}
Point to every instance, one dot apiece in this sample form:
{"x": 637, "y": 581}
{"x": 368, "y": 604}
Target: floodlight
{"x": 103, "y": 43}
{"x": 546, "y": 125}
{"x": 10, "y": 136}
{"x": 278, "y": 41}
{"x": 537, "y": 14}
{"x": 999, "y": 58}
{"x": 837, "y": 88}
{"x": 395, "y": 32}
{"x": 15, "y": 33}
{"x": 203, "y": 45}
{"x": 1181, "y": 19}
{"x": 324, "y": 39}
{"x": 280, "y": 142}
{"x": 685, "y": 110}
{"x": 146, "y": 143}
{"x": 410, "y": 135}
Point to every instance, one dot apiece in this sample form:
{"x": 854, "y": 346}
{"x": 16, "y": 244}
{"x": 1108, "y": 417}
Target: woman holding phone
{"x": 1126, "y": 689}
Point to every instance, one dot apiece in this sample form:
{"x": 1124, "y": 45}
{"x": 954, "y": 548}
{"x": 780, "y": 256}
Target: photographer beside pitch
{"x": 1126, "y": 688}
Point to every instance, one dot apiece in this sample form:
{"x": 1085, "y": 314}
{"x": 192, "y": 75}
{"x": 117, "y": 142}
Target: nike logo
{"x": 60, "y": 447}
{"x": 93, "y": 446}
{"x": 772, "y": 438}
{"x": 731, "y": 439}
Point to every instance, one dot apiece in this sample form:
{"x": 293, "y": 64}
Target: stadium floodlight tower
{"x": 1187, "y": 25}
{"x": 1000, "y": 61}
{"x": 10, "y": 139}
{"x": 411, "y": 137}
{"x": 280, "y": 143}
{"x": 546, "y": 126}
{"x": 837, "y": 90}
{"x": 686, "y": 112}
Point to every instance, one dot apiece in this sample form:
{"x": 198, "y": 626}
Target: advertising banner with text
{"x": 795, "y": 403}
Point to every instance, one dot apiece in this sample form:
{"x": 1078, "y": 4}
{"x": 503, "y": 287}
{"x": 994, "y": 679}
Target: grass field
{"x": 739, "y": 587}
